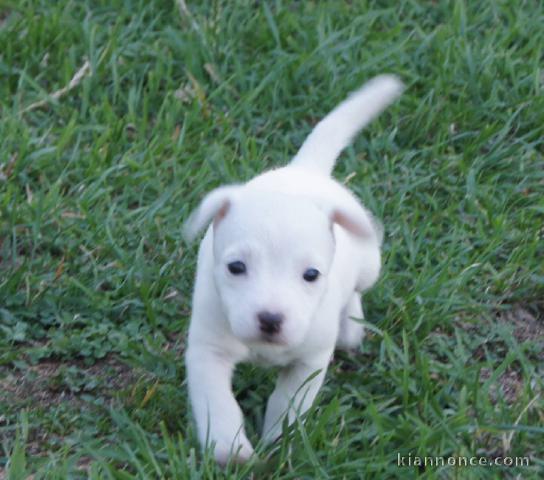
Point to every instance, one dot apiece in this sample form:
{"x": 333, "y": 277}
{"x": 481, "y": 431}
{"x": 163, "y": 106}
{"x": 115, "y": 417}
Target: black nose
{"x": 270, "y": 323}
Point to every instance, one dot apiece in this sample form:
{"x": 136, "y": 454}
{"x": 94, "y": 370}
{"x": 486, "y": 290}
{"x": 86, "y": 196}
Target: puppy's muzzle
{"x": 270, "y": 323}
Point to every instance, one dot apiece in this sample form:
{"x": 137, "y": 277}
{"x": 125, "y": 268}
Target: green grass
{"x": 95, "y": 280}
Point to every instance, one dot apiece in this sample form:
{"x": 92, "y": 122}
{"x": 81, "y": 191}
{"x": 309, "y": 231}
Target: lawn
{"x": 117, "y": 116}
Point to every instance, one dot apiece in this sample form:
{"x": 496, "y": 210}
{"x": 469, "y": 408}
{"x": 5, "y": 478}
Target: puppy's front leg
{"x": 218, "y": 417}
{"x": 295, "y": 392}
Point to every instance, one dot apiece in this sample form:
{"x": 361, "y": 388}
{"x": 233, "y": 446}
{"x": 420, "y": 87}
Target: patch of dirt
{"x": 528, "y": 325}
{"x": 50, "y": 382}
{"x": 53, "y": 383}
{"x": 510, "y": 384}
{"x": 528, "y": 321}
{"x": 4, "y": 14}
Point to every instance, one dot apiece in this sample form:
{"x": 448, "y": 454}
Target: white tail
{"x": 336, "y": 131}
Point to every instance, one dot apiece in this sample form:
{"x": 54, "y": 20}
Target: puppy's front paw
{"x": 272, "y": 434}
{"x": 238, "y": 450}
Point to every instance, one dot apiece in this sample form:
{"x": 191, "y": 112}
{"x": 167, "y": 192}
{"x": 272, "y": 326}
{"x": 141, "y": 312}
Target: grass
{"x": 95, "y": 280}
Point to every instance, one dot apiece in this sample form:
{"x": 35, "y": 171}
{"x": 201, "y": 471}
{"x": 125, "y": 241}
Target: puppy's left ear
{"x": 358, "y": 221}
{"x": 214, "y": 206}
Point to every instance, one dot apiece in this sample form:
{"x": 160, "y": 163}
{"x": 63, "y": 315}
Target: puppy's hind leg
{"x": 351, "y": 332}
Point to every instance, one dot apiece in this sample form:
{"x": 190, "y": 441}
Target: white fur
{"x": 279, "y": 224}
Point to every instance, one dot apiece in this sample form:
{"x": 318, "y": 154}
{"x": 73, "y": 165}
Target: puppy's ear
{"x": 358, "y": 221}
{"x": 214, "y": 206}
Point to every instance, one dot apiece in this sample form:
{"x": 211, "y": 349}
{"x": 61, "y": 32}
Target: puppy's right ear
{"x": 214, "y": 206}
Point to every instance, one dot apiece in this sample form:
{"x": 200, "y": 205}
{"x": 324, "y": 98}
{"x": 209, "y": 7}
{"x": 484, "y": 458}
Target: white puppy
{"x": 279, "y": 276}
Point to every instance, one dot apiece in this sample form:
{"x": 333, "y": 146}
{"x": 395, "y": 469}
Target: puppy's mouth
{"x": 271, "y": 339}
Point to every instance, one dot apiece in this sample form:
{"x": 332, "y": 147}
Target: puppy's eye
{"x": 237, "y": 268}
{"x": 311, "y": 275}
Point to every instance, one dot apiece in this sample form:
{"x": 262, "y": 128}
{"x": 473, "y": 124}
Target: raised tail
{"x": 336, "y": 131}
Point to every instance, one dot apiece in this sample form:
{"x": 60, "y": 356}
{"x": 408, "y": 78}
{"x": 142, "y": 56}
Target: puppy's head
{"x": 272, "y": 256}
